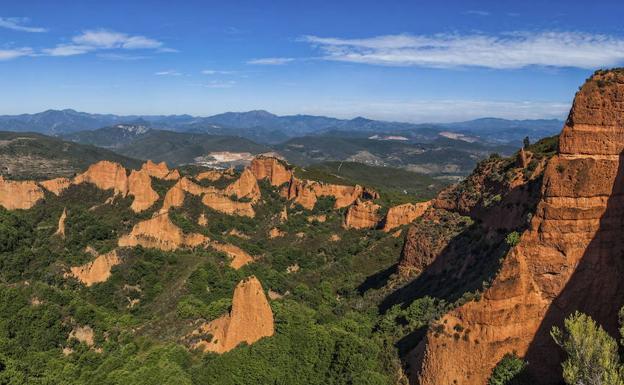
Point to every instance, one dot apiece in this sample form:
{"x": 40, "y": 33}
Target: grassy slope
{"x": 35, "y": 156}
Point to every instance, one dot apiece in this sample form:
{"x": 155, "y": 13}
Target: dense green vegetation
{"x": 395, "y": 185}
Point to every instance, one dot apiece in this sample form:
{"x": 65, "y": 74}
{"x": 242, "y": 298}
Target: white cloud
{"x": 477, "y": 12}
{"x": 16, "y": 24}
{"x": 219, "y": 84}
{"x": 102, "y": 39}
{"x": 8, "y": 54}
{"x": 67, "y": 50}
{"x": 168, "y": 73}
{"x": 271, "y": 61}
{"x": 507, "y": 51}
{"x": 217, "y": 72}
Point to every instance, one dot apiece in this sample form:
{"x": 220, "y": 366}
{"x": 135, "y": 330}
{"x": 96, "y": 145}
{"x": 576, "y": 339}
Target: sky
{"x": 416, "y": 61}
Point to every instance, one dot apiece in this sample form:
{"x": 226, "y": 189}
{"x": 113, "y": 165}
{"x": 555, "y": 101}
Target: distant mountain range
{"x": 264, "y": 127}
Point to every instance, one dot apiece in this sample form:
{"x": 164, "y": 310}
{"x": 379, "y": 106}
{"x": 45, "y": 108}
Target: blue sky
{"x": 394, "y": 60}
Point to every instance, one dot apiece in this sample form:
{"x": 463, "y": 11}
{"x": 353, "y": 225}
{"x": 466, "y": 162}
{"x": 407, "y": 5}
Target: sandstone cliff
{"x": 362, "y": 215}
{"x": 60, "y": 231}
{"x": 403, "y": 214}
{"x": 19, "y": 194}
{"x": 105, "y": 175}
{"x": 272, "y": 169}
{"x": 246, "y": 186}
{"x": 56, "y": 186}
{"x": 160, "y": 171}
{"x": 568, "y": 259}
{"x": 249, "y": 320}
{"x": 140, "y": 187}
{"x": 160, "y": 233}
{"x": 238, "y": 257}
{"x": 99, "y": 270}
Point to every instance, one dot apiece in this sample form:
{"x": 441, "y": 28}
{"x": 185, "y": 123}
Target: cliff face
{"x": 105, "y": 175}
{"x": 362, "y": 215}
{"x": 246, "y": 186}
{"x": 404, "y": 214}
{"x": 307, "y": 192}
{"x": 568, "y": 259}
{"x": 60, "y": 231}
{"x": 56, "y": 186}
{"x": 160, "y": 233}
{"x": 140, "y": 186}
{"x": 19, "y": 194}
{"x": 249, "y": 320}
{"x": 160, "y": 171}
{"x": 238, "y": 257}
{"x": 99, "y": 270}
{"x": 270, "y": 168}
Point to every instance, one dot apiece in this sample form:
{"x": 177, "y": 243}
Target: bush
{"x": 508, "y": 371}
{"x": 592, "y": 353}
{"x": 513, "y": 238}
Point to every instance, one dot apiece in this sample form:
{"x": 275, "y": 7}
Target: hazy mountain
{"x": 110, "y": 137}
{"x": 265, "y": 127}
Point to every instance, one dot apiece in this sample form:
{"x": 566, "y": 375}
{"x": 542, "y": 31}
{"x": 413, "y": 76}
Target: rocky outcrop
{"x": 160, "y": 233}
{"x": 160, "y": 171}
{"x": 362, "y": 215}
{"x": 105, "y": 175}
{"x": 56, "y": 186}
{"x": 276, "y": 233}
{"x": 140, "y": 186}
{"x": 238, "y": 257}
{"x": 19, "y": 194}
{"x": 273, "y": 169}
{"x": 569, "y": 259}
{"x": 249, "y": 320}
{"x": 403, "y": 214}
{"x": 224, "y": 204}
{"x": 216, "y": 199}
{"x": 99, "y": 270}
{"x": 60, "y": 231}
{"x": 307, "y": 192}
{"x": 245, "y": 187}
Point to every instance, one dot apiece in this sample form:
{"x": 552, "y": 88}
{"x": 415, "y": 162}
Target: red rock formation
{"x": 222, "y": 203}
{"x": 568, "y": 259}
{"x": 160, "y": 171}
{"x": 250, "y": 319}
{"x": 276, "y": 233}
{"x": 239, "y": 257}
{"x": 362, "y": 215}
{"x": 105, "y": 175}
{"x": 270, "y": 168}
{"x": 403, "y": 214}
{"x": 211, "y": 175}
{"x": 246, "y": 186}
{"x": 99, "y": 270}
{"x": 140, "y": 186}
{"x": 19, "y": 194}
{"x": 61, "y": 224}
{"x": 160, "y": 233}
{"x": 56, "y": 186}
{"x": 307, "y": 192}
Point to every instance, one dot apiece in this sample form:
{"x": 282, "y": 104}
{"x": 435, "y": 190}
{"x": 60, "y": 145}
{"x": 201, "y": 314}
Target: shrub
{"x": 592, "y": 353}
{"x": 513, "y": 238}
{"x": 508, "y": 371}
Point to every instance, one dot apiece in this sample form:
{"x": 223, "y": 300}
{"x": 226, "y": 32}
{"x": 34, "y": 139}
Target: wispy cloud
{"x": 168, "y": 73}
{"x": 17, "y": 24}
{"x": 271, "y": 61}
{"x": 102, "y": 39}
{"x": 477, "y": 12}
{"x": 8, "y": 54}
{"x": 506, "y": 51}
{"x": 217, "y": 72}
{"x": 220, "y": 84}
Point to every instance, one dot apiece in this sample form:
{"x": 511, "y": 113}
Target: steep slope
{"x": 568, "y": 259}
{"x": 34, "y": 156}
